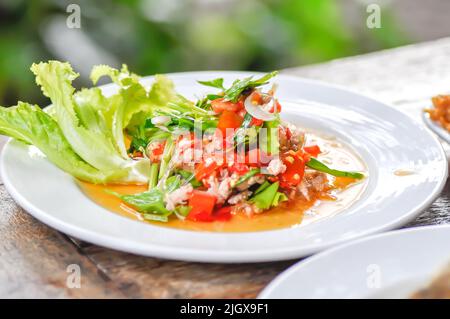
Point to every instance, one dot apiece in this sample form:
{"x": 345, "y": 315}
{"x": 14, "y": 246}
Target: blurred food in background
{"x": 440, "y": 112}
{"x": 154, "y": 36}
{"x": 439, "y": 288}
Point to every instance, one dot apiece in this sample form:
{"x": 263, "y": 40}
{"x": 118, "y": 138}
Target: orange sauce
{"x": 343, "y": 182}
{"x": 283, "y": 216}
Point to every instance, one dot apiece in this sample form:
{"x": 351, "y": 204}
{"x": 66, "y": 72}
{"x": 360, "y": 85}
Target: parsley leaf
{"x": 239, "y": 86}
{"x": 216, "y": 83}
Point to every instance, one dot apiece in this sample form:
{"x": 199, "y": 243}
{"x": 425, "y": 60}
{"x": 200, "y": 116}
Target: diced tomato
{"x": 202, "y": 204}
{"x": 295, "y": 168}
{"x": 220, "y": 105}
{"x": 201, "y": 217}
{"x": 223, "y": 213}
{"x": 313, "y": 150}
{"x": 229, "y": 119}
{"x": 203, "y": 171}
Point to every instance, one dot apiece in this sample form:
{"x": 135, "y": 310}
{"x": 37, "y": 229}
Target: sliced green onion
{"x": 167, "y": 155}
{"x": 321, "y": 167}
{"x": 157, "y": 218}
{"x": 247, "y": 176}
{"x": 190, "y": 178}
{"x": 262, "y": 187}
{"x": 154, "y": 169}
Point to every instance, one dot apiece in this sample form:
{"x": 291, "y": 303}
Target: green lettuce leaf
{"x": 131, "y": 99}
{"x": 83, "y": 118}
{"x": 122, "y": 78}
{"x": 55, "y": 79}
{"x": 91, "y": 124}
{"x": 31, "y": 125}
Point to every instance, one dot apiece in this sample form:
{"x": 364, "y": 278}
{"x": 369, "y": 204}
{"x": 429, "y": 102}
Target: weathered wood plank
{"x": 34, "y": 260}
{"x": 140, "y": 277}
{"x": 438, "y": 213}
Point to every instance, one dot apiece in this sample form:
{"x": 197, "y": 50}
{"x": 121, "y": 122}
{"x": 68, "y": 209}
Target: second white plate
{"x": 390, "y": 265}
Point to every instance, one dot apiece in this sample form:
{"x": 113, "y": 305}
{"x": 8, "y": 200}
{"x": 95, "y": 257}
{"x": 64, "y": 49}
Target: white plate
{"x": 391, "y": 265}
{"x": 385, "y": 138}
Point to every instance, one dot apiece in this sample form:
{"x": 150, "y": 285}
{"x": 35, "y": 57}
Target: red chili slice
{"x": 313, "y": 150}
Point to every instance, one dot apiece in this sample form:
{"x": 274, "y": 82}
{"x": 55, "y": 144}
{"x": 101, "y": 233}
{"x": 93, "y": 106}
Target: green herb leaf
{"x": 279, "y": 197}
{"x": 189, "y": 177}
{"x": 139, "y": 140}
{"x": 321, "y": 167}
{"x": 172, "y": 183}
{"x": 239, "y": 135}
{"x": 265, "y": 198}
{"x": 151, "y": 201}
{"x": 148, "y": 123}
{"x": 247, "y": 176}
{"x": 216, "y": 83}
{"x": 239, "y": 86}
{"x": 262, "y": 187}
{"x": 182, "y": 122}
{"x": 212, "y": 97}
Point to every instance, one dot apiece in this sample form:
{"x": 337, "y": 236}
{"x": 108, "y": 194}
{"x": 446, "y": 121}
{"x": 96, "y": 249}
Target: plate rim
{"x": 280, "y": 278}
{"x": 197, "y": 255}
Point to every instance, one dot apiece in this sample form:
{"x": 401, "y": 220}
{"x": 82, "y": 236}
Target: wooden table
{"x": 34, "y": 257}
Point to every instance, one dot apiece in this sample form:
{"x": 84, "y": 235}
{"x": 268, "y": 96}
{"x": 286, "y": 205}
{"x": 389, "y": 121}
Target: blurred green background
{"x": 172, "y": 35}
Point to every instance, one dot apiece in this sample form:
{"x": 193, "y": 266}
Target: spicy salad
{"x": 226, "y": 153}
